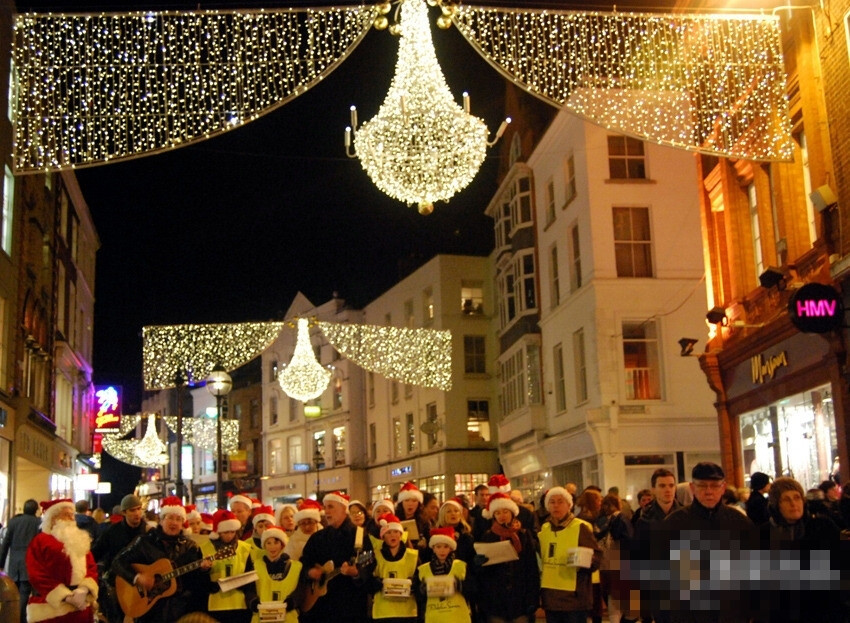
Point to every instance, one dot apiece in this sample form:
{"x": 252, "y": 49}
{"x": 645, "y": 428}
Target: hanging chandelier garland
{"x": 304, "y": 378}
{"x": 148, "y": 452}
{"x": 421, "y": 147}
{"x": 712, "y": 83}
{"x": 137, "y": 83}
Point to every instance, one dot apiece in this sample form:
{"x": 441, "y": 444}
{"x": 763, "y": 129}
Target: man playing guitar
{"x": 346, "y": 598}
{"x": 166, "y": 541}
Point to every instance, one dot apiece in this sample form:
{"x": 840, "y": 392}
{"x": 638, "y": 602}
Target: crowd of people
{"x": 687, "y": 553}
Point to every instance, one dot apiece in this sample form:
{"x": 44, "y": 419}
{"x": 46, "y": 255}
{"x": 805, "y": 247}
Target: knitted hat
{"x": 443, "y": 535}
{"x": 337, "y": 496}
{"x": 410, "y": 492}
{"x": 51, "y": 508}
{"x": 388, "y": 504}
{"x": 273, "y": 531}
{"x": 497, "y": 501}
{"x": 172, "y": 505}
{"x": 390, "y": 522}
{"x": 240, "y": 498}
{"x": 264, "y": 513}
{"x": 759, "y": 481}
{"x": 192, "y": 512}
{"x": 310, "y": 509}
{"x": 224, "y": 521}
{"x": 557, "y": 491}
{"x": 499, "y": 483}
{"x": 130, "y": 501}
{"x": 206, "y": 522}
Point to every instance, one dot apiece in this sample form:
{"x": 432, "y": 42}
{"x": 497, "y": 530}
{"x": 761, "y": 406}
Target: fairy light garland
{"x": 415, "y": 356}
{"x": 201, "y": 433}
{"x": 197, "y": 348}
{"x": 304, "y": 378}
{"x": 93, "y": 88}
{"x": 149, "y": 451}
{"x": 421, "y": 147}
{"x": 712, "y": 83}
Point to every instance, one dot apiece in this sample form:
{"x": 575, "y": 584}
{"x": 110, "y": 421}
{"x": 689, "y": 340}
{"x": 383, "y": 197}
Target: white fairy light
{"x": 201, "y": 433}
{"x": 146, "y": 452}
{"x": 150, "y": 448}
{"x": 304, "y": 378}
{"x": 422, "y": 146}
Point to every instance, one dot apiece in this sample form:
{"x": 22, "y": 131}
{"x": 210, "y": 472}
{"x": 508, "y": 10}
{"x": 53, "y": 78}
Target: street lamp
{"x": 219, "y": 385}
{"x": 178, "y": 383}
{"x": 318, "y": 462}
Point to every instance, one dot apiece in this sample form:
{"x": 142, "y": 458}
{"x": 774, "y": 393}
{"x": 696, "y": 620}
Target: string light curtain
{"x": 196, "y": 348}
{"x": 712, "y": 83}
{"x": 93, "y": 88}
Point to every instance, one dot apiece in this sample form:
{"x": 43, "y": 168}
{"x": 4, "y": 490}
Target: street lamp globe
{"x": 219, "y": 385}
{"x": 219, "y": 382}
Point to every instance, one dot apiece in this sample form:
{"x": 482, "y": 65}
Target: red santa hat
{"x": 192, "y": 512}
{"x": 557, "y": 491}
{"x": 454, "y": 502}
{"x": 273, "y": 532}
{"x": 443, "y": 535}
{"x": 51, "y": 508}
{"x": 224, "y": 521}
{"x": 337, "y": 496}
{"x": 240, "y": 498}
{"x": 410, "y": 492}
{"x": 255, "y": 503}
{"x": 389, "y": 522}
{"x": 206, "y": 522}
{"x": 172, "y": 505}
{"x": 310, "y": 509}
{"x": 264, "y": 513}
{"x": 499, "y": 483}
{"x": 388, "y": 504}
{"x": 497, "y": 501}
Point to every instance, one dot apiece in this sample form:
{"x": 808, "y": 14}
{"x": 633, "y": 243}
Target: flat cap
{"x": 707, "y": 471}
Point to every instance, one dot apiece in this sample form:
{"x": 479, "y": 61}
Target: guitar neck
{"x": 186, "y": 568}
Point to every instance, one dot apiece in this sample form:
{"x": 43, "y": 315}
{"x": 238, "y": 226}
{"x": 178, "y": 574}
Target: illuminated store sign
{"x": 106, "y": 408}
{"x": 816, "y": 308}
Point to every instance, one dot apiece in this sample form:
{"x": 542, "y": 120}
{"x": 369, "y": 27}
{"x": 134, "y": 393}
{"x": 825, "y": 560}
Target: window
{"x": 560, "y": 387}
{"x": 803, "y": 146}
{"x": 575, "y": 258}
{"x": 373, "y": 442}
{"x": 276, "y": 456}
{"x": 513, "y": 382}
{"x": 408, "y": 390}
{"x": 580, "y": 366}
{"x": 752, "y": 202}
{"x": 640, "y": 357}
{"x": 503, "y": 226}
{"x": 570, "y": 179}
{"x": 237, "y": 412}
{"x": 339, "y": 445}
{"x": 507, "y": 297}
{"x": 394, "y": 391}
{"x": 370, "y": 382}
{"x": 294, "y": 448}
{"x": 632, "y": 242}
{"x": 626, "y": 160}
{"x": 388, "y": 320}
{"x": 273, "y": 371}
{"x": 61, "y": 300}
{"x": 273, "y": 410}
{"x": 337, "y": 393}
{"x": 520, "y": 202}
{"x": 409, "y": 319}
{"x": 472, "y": 297}
{"x": 397, "y": 437}
{"x": 550, "y": 201}
{"x": 516, "y": 149}
{"x": 478, "y": 420}
{"x": 7, "y": 215}
{"x": 428, "y": 305}
{"x": 3, "y": 346}
{"x": 554, "y": 285}
{"x": 410, "y": 429}
{"x": 293, "y": 410}
{"x": 256, "y": 413}
{"x": 524, "y": 267}
{"x": 474, "y": 359}
{"x": 431, "y": 418}
{"x": 319, "y": 457}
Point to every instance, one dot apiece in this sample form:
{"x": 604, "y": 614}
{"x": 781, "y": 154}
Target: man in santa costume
{"x": 61, "y": 568}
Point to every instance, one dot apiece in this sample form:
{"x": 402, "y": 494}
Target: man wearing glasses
{"x": 697, "y": 543}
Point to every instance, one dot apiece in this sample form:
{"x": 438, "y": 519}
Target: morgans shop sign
{"x": 816, "y": 308}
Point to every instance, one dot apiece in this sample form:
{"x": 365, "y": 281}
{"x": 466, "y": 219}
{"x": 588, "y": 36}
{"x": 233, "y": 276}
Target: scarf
{"x": 442, "y": 568}
{"x": 508, "y": 532}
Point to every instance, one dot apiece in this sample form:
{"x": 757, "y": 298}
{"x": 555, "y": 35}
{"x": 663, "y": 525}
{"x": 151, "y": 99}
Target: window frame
{"x": 634, "y": 165}
{"x": 633, "y": 243}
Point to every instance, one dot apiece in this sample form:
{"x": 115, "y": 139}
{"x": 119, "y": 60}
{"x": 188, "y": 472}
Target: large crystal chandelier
{"x": 150, "y": 449}
{"x": 422, "y": 146}
{"x": 147, "y": 452}
{"x": 304, "y": 378}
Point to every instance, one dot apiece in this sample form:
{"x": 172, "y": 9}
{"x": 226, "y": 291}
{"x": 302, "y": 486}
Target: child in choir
{"x": 277, "y": 575}
{"x": 443, "y": 580}
{"x": 263, "y": 518}
{"x": 392, "y": 579}
{"x": 308, "y": 520}
{"x": 228, "y": 606}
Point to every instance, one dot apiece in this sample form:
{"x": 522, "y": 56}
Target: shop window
{"x": 632, "y": 242}
{"x": 478, "y": 420}
{"x": 276, "y": 457}
{"x": 641, "y": 360}
{"x": 626, "y": 158}
{"x": 472, "y": 297}
{"x": 339, "y": 445}
{"x": 465, "y": 484}
{"x": 295, "y": 450}
{"x": 319, "y": 456}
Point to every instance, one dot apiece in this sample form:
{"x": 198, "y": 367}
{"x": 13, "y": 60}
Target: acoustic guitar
{"x": 136, "y": 601}
{"x": 319, "y": 588}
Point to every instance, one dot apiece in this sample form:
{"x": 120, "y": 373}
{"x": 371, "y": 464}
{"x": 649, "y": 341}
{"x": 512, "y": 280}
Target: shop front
{"x": 784, "y": 399}
{"x": 44, "y": 466}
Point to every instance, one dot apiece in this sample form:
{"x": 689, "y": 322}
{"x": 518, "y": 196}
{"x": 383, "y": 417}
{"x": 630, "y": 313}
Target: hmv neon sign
{"x": 816, "y": 308}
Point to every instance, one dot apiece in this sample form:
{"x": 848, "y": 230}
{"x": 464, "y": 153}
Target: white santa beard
{"x": 77, "y": 543}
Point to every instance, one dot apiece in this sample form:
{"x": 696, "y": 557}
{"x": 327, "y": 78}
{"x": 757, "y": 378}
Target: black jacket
{"x": 117, "y": 536}
{"x": 180, "y": 550}
{"x": 757, "y": 508}
{"x": 511, "y": 589}
{"x": 20, "y": 531}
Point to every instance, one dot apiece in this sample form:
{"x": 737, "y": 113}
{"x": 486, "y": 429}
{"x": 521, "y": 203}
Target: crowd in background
{"x": 687, "y": 552}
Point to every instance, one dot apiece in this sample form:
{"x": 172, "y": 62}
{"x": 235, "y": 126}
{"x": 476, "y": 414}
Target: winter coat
{"x": 510, "y": 589}
{"x": 19, "y": 532}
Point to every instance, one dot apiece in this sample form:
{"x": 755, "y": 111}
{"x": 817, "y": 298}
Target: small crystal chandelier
{"x": 422, "y": 146}
{"x": 150, "y": 450}
{"x": 304, "y": 378}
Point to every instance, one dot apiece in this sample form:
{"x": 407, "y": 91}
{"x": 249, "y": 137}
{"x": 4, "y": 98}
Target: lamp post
{"x": 318, "y": 461}
{"x": 178, "y": 383}
{"x": 219, "y": 385}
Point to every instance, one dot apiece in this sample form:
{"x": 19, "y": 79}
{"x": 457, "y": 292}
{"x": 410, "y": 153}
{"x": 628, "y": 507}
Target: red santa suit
{"x": 55, "y": 570}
